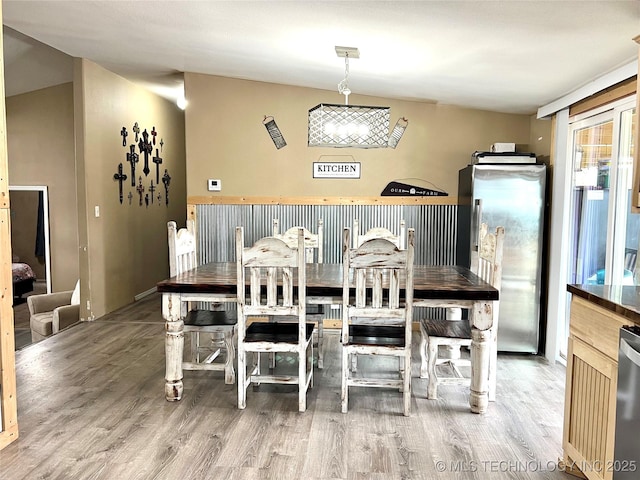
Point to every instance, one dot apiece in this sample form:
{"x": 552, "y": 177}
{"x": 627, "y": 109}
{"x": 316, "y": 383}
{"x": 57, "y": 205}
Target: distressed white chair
{"x": 486, "y": 262}
{"x": 314, "y": 253}
{"x": 219, "y": 326}
{"x": 376, "y": 320}
{"x": 277, "y": 288}
{"x": 398, "y": 240}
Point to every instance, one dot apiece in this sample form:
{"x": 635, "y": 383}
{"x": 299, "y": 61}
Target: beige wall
{"x": 540, "y": 139}
{"x": 41, "y": 152}
{"x": 123, "y": 251}
{"x": 227, "y": 140}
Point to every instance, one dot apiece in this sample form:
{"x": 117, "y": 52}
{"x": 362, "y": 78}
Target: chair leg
{"x": 256, "y": 363}
{"x": 432, "y": 387}
{"x": 407, "y": 383}
{"x": 242, "y": 379}
{"x": 229, "y": 373}
{"x": 424, "y": 372}
{"x": 272, "y": 360}
{"x": 310, "y": 364}
{"x": 302, "y": 379}
{"x": 320, "y": 343}
{"x": 493, "y": 366}
{"x": 345, "y": 377}
{"x": 195, "y": 347}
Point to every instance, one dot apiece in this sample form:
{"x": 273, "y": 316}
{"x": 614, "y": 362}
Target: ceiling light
{"x": 332, "y": 125}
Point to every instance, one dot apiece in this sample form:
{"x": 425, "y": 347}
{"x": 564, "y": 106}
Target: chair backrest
{"x": 182, "y": 248}
{"x": 313, "y": 242}
{"x": 379, "y": 232}
{"x": 486, "y": 262}
{"x": 378, "y": 268}
{"x": 277, "y": 279}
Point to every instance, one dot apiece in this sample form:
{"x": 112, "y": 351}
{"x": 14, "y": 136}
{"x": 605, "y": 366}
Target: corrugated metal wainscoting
{"x": 435, "y": 227}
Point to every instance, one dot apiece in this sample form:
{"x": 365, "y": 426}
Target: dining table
{"x": 433, "y": 286}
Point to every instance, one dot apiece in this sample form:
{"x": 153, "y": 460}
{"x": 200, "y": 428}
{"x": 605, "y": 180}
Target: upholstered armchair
{"x": 52, "y": 312}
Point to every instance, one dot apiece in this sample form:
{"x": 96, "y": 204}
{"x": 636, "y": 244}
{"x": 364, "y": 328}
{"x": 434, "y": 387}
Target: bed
{"x": 23, "y": 278}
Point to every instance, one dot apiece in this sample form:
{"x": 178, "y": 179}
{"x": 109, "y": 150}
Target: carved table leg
{"x": 480, "y": 350}
{"x": 481, "y": 334}
{"x": 174, "y": 346}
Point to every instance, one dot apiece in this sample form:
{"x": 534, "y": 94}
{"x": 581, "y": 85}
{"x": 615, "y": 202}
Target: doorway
{"x": 604, "y": 234}
{"x": 30, "y": 247}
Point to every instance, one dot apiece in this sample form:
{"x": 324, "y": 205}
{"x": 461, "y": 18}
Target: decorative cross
{"x": 152, "y": 189}
{"x": 133, "y": 158}
{"x": 166, "y": 179}
{"x": 130, "y": 196}
{"x": 140, "y": 190}
{"x": 146, "y": 148}
{"x": 124, "y": 134}
{"x": 120, "y": 177}
{"x": 154, "y": 133}
{"x": 157, "y": 160}
{"x": 136, "y": 129}
{"x": 161, "y": 144}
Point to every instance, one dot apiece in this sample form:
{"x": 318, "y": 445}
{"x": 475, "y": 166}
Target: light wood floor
{"x": 91, "y": 406}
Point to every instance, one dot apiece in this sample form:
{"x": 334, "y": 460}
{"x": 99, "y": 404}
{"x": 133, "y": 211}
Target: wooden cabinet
{"x": 590, "y": 395}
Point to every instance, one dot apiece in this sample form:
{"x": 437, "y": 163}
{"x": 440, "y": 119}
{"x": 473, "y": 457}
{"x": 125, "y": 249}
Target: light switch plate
{"x": 214, "y": 185}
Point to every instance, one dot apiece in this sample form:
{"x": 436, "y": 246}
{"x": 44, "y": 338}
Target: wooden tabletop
{"x": 325, "y": 280}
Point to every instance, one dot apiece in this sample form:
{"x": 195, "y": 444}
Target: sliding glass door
{"x": 604, "y": 234}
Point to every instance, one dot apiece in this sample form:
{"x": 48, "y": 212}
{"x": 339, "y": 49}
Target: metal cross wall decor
{"x": 152, "y": 189}
{"x": 133, "y": 158}
{"x": 157, "y": 160}
{"x": 140, "y": 190}
{"x": 146, "y": 148}
{"x": 166, "y": 179}
{"x": 120, "y": 177}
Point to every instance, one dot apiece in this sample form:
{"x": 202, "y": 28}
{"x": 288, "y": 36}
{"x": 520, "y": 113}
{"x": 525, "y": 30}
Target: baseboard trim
{"x": 146, "y": 293}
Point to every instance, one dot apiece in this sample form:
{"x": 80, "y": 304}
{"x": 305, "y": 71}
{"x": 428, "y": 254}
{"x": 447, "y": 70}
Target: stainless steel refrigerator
{"x": 512, "y": 196}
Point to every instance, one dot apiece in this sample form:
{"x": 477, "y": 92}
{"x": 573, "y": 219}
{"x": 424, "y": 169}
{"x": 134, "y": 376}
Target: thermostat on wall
{"x": 214, "y": 185}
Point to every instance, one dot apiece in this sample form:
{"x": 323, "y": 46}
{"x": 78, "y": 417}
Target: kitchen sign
{"x": 336, "y": 169}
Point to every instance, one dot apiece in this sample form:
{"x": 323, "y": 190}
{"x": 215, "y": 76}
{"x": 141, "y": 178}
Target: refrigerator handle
{"x": 477, "y": 221}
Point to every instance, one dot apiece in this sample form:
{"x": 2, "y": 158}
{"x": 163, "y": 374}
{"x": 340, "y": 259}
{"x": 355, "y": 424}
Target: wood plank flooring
{"x": 91, "y": 406}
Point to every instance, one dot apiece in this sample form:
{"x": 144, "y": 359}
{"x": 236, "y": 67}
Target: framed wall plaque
{"x": 336, "y": 169}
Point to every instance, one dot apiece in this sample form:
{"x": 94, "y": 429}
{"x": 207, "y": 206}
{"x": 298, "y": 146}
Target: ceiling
{"x": 508, "y": 56}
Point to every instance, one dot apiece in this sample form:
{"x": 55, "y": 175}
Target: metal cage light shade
{"x": 332, "y": 125}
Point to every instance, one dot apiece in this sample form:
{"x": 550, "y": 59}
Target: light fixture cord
{"x": 343, "y": 86}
